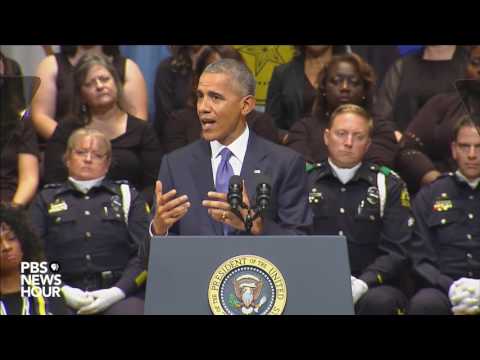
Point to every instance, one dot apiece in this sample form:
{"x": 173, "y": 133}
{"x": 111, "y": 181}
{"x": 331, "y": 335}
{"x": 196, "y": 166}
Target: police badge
{"x": 372, "y": 195}
{"x": 116, "y": 202}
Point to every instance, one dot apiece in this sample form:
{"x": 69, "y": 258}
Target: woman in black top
{"x": 19, "y": 169}
{"x": 53, "y": 101}
{"x": 173, "y": 83}
{"x": 97, "y": 103}
{"x": 416, "y": 78}
{"x": 426, "y": 150}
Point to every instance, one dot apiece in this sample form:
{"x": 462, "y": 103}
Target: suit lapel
{"x": 203, "y": 179}
{"x": 255, "y": 159}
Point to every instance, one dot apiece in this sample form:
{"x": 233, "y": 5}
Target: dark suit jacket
{"x": 285, "y": 93}
{"x": 189, "y": 171}
{"x": 171, "y": 91}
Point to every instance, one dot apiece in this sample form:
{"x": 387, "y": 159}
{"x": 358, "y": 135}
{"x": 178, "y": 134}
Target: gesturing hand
{"x": 169, "y": 209}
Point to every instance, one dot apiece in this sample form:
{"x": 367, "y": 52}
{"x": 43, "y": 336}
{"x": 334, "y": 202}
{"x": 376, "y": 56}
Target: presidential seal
{"x": 247, "y": 285}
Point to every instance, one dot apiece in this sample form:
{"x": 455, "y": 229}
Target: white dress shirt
{"x": 238, "y": 149}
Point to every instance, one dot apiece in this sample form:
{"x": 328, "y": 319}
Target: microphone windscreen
{"x": 262, "y": 179}
{"x": 235, "y": 180}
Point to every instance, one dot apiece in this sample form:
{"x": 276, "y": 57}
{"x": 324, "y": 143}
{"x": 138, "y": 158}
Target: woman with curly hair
{"x": 19, "y": 243}
{"x": 346, "y": 79}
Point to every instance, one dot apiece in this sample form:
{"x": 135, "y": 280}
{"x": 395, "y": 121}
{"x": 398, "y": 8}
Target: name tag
{"x": 57, "y": 207}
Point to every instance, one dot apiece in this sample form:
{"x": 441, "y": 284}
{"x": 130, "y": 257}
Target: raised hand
{"x": 169, "y": 209}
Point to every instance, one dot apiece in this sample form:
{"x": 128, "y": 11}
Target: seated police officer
{"x": 94, "y": 228}
{"x": 367, "y": 204}
{"x": 445, "y": 247}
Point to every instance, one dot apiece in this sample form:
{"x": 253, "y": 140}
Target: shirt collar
{"x": 68, "y": 186}
{"x": 237, "y": 147}
{"x": 365, "y": 171}
{"x": 344, "y": 175}
{"x": 473, "y": 184}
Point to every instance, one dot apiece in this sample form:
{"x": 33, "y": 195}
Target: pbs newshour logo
{"x": 40, "y": 279}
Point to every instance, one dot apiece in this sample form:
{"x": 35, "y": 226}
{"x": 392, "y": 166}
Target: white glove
{"x": 359, "y": 288}
{"x": 457, "y": 293}
{"x": 464, "y": 294}
{"x": 103, "y": 299}
{"x": 76, "y": 298}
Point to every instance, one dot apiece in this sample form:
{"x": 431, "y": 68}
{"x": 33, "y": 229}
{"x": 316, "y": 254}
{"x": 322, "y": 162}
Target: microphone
{"x": 235, "y": 192}
{"x": 264, "y": 191}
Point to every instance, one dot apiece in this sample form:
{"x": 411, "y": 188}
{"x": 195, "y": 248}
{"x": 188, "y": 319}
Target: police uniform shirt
{"x": 87, "y": 233}
{"x": 376, "y": 244}
{"x": 446, "y": 242}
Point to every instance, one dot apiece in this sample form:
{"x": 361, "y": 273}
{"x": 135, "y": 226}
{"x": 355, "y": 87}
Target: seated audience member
{"x": 95, "y": 229}
{"x": 414, "y": 79}
{"x": 193, "y": 181}
{"x": 380, "y": 57}
{"x": 55, "y": 97}
{"x": 19, "y": 170}
{"x": 18, "y": 243}
{"x": 426, "y": 146}
{"x": 183, "y": 127}
{"x": 346, "y": 79}
{"x": 97, "y": 100}
{"x": 367, "y": 204}
{"x": 293, "y": 85}
{"x": 445, "y": 247}
{"x": 174, "y": 81}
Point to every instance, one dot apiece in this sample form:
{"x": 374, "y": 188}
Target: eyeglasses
{"x": 93, "y": 155}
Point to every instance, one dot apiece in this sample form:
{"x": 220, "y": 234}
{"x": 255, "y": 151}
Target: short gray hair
{"x": 239, "y": 73}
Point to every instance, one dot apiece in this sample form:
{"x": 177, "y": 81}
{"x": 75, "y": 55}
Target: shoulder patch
{"x": 309, "y": 167}
{"x": 443, "y": 176}
{"x": 405, "y": 198}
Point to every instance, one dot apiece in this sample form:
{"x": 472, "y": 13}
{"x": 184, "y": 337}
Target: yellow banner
{"x": 261, "y": 60}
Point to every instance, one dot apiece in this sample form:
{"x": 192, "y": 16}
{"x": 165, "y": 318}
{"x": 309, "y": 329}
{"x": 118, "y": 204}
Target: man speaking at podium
{"x": 191, "y": 194}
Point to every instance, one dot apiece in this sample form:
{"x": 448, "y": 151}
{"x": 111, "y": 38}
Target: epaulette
{"x": 309, "y": 167}
{"x": 443, "y": 176}
{"x": 387, "y": 171}
{"x": 52, "y": 185}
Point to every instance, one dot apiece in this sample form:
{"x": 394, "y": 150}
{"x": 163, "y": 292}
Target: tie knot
{"x": 225, "y": 154}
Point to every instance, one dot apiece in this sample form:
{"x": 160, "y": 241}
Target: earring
{"x": 84, "y": 108}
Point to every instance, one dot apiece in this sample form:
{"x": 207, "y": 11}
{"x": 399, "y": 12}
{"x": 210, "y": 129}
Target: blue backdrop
{"x": 147, "y": 57}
